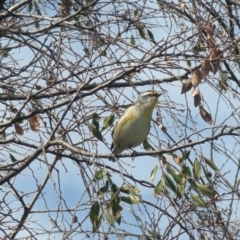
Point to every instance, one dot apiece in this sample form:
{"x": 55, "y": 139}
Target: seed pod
{"x": 196, "y": 78}
{"x": 205, "y": 68}
{"x": 186, "y": 86}
{"x": 205, "y": 115}
{"x": 18, "y": 129}
{"x": 34, "y": 122}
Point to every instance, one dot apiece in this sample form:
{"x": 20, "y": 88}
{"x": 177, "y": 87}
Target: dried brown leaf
{"x": 186, "y": 86}
{"x": 205, "y": 115}
{"x": 18, "y": 129}
{"x": 197, "y": 99}
{"x": 194, "y": 92}
{"x": 209, "y": 29}
{"x": 211, "y": 44}
{"x": 196, "y": 78}
{"x": 215, "y": 57}
{"x": 202, "y": 40}
{"x": 74, "y": 219}
{"x": 205, "y": 68}
{"x": 50, "y": 80}
{"x": 34, "y": 122}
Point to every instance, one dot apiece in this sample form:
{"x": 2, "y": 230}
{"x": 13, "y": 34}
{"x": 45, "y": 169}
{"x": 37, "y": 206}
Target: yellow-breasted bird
{"x": 134, "y": 125}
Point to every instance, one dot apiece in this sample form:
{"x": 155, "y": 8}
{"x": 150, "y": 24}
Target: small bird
{"x": 134, "y": 125}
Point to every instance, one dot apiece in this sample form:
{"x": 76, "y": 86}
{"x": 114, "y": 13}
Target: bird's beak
{"x": 158, "y": 94}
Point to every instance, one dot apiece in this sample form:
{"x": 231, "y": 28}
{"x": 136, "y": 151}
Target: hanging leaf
{"x": 186, "y": 172}
{"x": 198, "y": 200}
{"x": 180, "y": 190}
{"x": 13, "y": 159}
{"x": 185, "y": 155}
{"x": 209, "y": 29}
{"x": 186, "y": 86}
{"x": 94, "y": 211}
{"x": 198, "y": 49}
{"x": 178, "y": 177}
{"x": 215, "y": 57}
{"x": 205, "y": 68}
{"x": 95, "y": 131}
{"x": 169, "y": 182}
{"x": 159, "y": 187}
{"x": 223, "y": 83}
{"x": 176, "y": 158}
{"x": 146, "y": 145}
{"x": 151, "y": 36}
{"x": 95, "y": 120}
{"x": 110, "y": 218}
{"x": 127, "y": 200}
{"x": 206, "y": 190}
{"x": 135, "y": 198}
{"x": 94, "y": 216}
{"x": 100, "y": 175}
{"x": 141, "y": 33}
{"x": 197, "y": 99}
{"x": 211, "y": 164}
{"x": 189, "y": 63}
{"x": 103, "y": 190}
{"x": 132, "y": 40}
{"x": 135, "y": 12}
{"x": 197, "y": 169}
{"x": 108, "y": 121}
{"x": 18, "y": 129}
{"x": 205, "y": 115}
{"x": 196, "y": 78}
{"x": 34, "y": 122}
{"x": 153, "y": 173}
{"x": 74, "y": 219}
{"x": 129, "y": 189}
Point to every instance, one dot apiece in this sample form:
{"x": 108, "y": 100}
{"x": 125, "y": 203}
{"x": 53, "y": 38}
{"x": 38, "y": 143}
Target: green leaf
{"x": 153, "y": 173}
{"x": 185, "y": 155}
{"x": 87, "y": 52}
{"x": 94, "y": 216}
{"x": 197, "y": 169}
{"x": 95, "y": 131}
{"x": 135, "y": 198}
{"x": 142, "y": 33}
{"x": 206, "y": 190}
{"x": 180, "y": 190}
{"x": 110, "y": 218}
{"x": 100, "y": 175}
{"x": 146, "y": 145}
{"x": 186, "y": 172}
{"x": 103, "y": 190}
{"x": 129, "y": 189}
{"x": 211, "y": 164}
{"x": 189, "y": 63}
{"x": 127, "y": 200}
{"x": 169, "y": 182}
{"x": 30, "y": 5}
{"x": 198, "y": 49}
{"x": 135, "y": 12}
{"x": 95, "y": 120}
{"x": 13, "y": 159}
{"x": 94, "y": 212}
{"x": 108, "y": 121}
{"x": 132, "y": 40}
{"x": 151, "y": 36}
{"x": 223, "y": 84}
{"x": 198, "y": 201}
{"x": 175, "y": 175}
{"x": 159, "y": 187}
